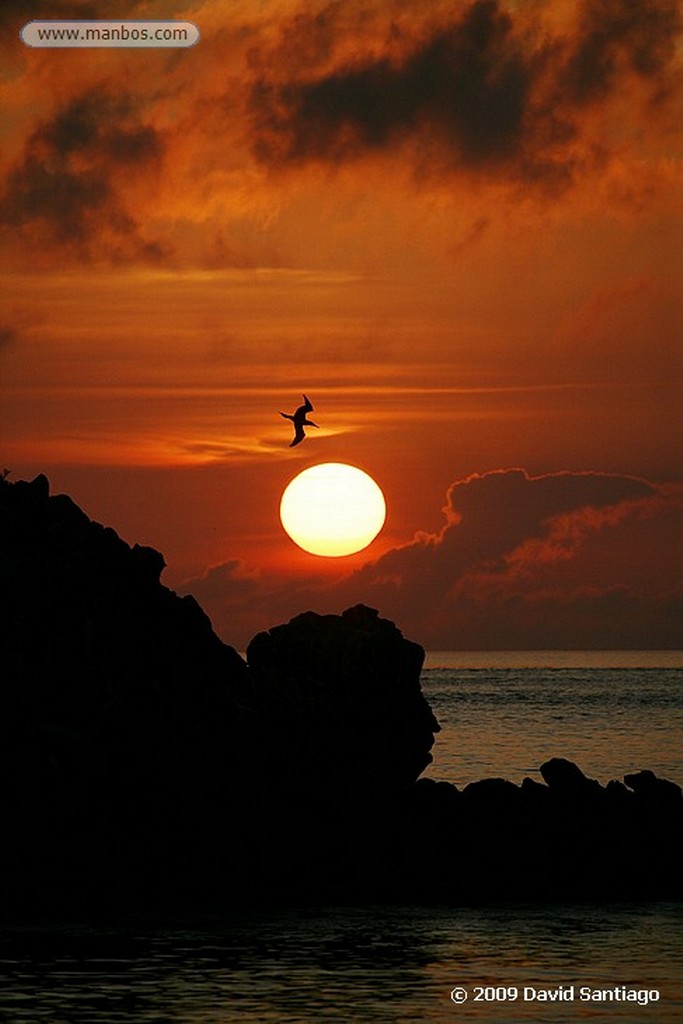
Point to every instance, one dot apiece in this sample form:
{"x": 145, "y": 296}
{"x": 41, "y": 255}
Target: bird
{"x": 299, "y": 420}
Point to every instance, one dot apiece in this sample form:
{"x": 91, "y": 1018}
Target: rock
{"x": 646, "y": 784}
{"x": 142, "y": 759}
{"x": 120, "y": 709}
{"x": 533, "y": 790}
{"x": 343, "y": 698}
{"x": 96, "y": 603}
{"x": 491, "y": 792}
{"x": 565, "y": 777}
{"x": 617, "y": 793}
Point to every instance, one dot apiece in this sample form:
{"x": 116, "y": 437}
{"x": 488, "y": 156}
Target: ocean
{"x": 354, "y": 965}
{"x": 501, "y": 715}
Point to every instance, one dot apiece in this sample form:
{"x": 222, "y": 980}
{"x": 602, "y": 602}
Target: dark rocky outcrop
{"x": 144, "y": 762}
{"x": 349, "y": 686}
{"x": 495, "y": 840}
{"x": 138, "y": 750}
{"x": 121, "y": 712}
{"x": 646, "y": 784}
{"x": 565, "y": 777}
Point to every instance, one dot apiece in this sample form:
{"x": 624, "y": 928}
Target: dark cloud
{"x": 488, "y": 93}
{"x": 469, "y": 84}
{"x": 490, "y": 517}
{"x": 561, "y": 560}
{"x": 67, "y": 180}
{"x": 234, "y": 599}
{"x": 102, "y": 123}
{"x": 16, "y": 13}
{"x": 231, "y": 576}
{"x": 530, "y": 561}
{"x": 616, "y": 36}
{"x": 566, "y": 618}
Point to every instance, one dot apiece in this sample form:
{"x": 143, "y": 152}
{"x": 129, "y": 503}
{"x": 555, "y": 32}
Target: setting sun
{"x": 332, "y": 509}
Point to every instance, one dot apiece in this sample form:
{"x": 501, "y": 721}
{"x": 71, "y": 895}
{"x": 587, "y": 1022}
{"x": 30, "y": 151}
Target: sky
{"x": 455, "y": 226}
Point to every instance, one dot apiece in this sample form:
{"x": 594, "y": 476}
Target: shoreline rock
{"x": 144, "y": 762}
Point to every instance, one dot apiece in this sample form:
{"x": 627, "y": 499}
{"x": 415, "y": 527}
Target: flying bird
{"x": 299, "y": 420}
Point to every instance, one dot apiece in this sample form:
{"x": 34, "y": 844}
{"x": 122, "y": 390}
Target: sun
{"x": 332, "y": 509}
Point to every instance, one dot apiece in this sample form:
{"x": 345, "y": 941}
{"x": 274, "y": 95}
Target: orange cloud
{"x": 68, "y": 184}
{"x": 522, "y": 562}
{"x": 186, "y": 158}
{"x": 488, "y": 90}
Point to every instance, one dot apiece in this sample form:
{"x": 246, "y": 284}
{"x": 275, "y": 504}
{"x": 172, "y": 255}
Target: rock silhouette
{"x": 144, "y": 762}
{"x": 349, "y": 685}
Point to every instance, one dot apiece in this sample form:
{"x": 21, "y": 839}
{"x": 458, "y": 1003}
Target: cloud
{"x": 15, "y": 13}
{"x": 67, "y": 182}
{"x": 236, "y": 598}
{"x": 185, "y": 157}
{"x": 468, "y": 84}
{"x": 615, "y": 37}
{"x": 487, "y": 91}
{"x": 553, "y": 561}
{"x": 438, "y": 123}
{"x": 231, "y": 576}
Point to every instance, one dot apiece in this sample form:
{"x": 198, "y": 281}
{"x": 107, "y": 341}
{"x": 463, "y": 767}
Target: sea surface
{"x": 353, "y": 965}
{"x": 501, "y": 715}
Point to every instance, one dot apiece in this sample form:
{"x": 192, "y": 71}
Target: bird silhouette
{"x": 299, "y": 420}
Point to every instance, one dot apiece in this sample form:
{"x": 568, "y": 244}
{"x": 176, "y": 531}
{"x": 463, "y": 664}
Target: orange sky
{"x": 455, "y": 226}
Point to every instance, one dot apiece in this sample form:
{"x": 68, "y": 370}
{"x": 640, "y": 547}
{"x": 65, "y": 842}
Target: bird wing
{"x": 299, "y": 435}
{"x": 307, "y": 405}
